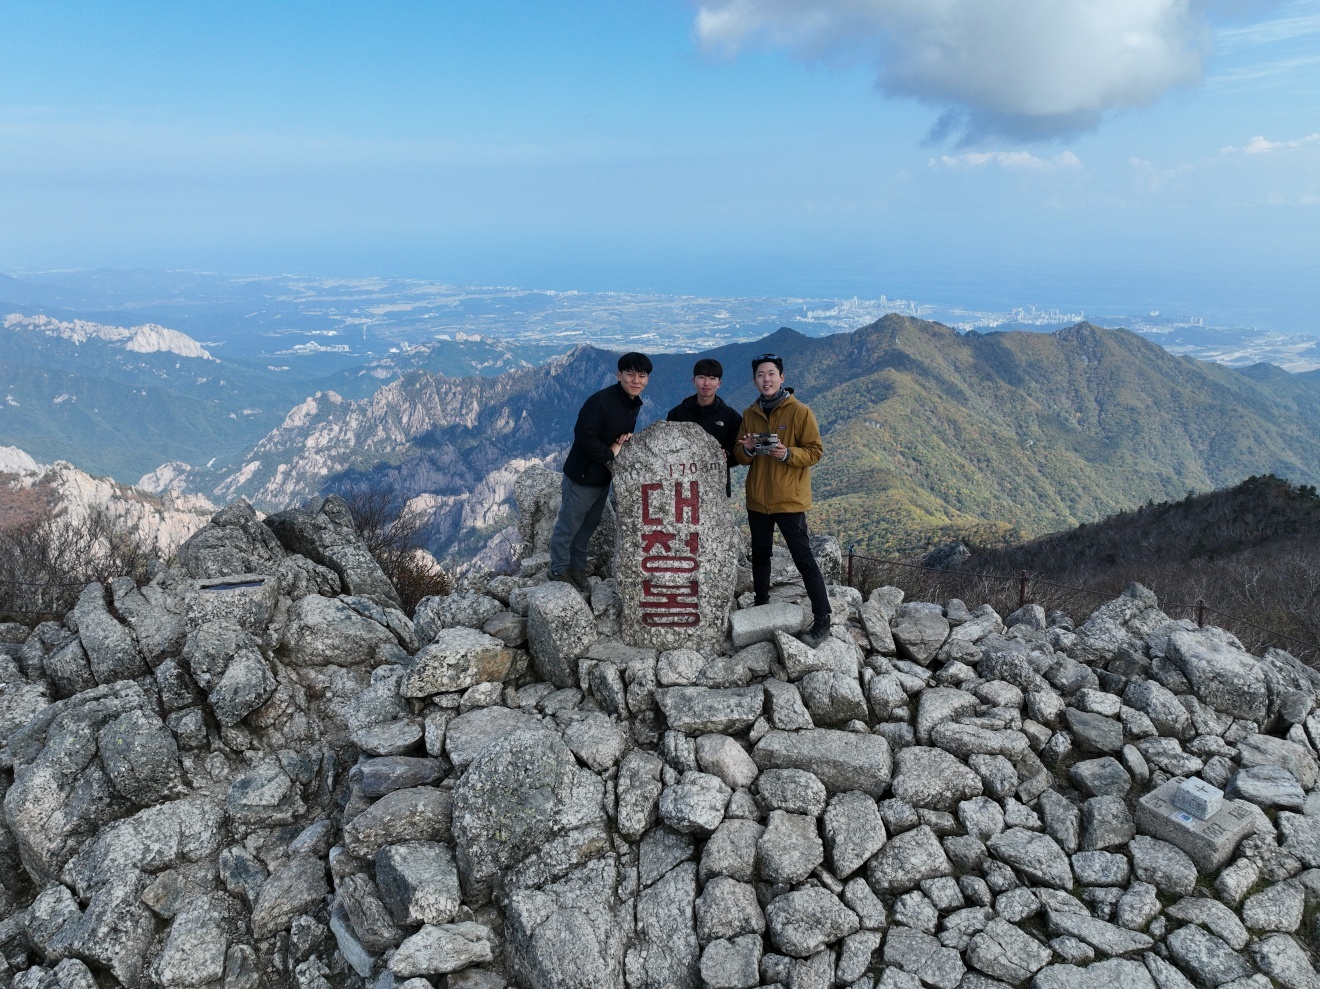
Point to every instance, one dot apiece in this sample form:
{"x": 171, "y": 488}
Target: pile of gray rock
{"x": 257, "y": 771}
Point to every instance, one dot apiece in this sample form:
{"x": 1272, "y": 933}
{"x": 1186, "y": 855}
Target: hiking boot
{"x": 571, "y": 576}
{"x": 818, "y": 633}
{"x": 757, "y": 602}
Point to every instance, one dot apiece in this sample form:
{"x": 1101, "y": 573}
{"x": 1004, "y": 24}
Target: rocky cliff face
{"x": 449, "y": 446}
{"x": 168, "y": 519}
{"x": 255, "y": 771}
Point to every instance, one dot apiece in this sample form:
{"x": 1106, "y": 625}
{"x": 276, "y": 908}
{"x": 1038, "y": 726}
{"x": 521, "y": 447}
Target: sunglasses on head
{"x": 765, "y": 357}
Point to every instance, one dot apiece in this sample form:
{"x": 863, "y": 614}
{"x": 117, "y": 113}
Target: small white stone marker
{"x": 1198, "y": 798}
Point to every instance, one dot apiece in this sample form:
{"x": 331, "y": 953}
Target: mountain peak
{"x": 13, "y": 460}
{"x": 147, "y": 338}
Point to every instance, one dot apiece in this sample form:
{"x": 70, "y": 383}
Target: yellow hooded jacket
{"x": 775, "y": 487}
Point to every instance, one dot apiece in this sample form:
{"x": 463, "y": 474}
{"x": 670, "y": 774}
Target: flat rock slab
{"x": 759, "y": 624}
{"x": 698, "y": 710}
{"x": 1211, "y": 843}
{"x": 1036, "y": 856}
{"x": 1106, "y": 938}
{"x": 676, "y": 541}
{"x": 1113, "y": 973}
{"x": 468, "y": 734}
{"x": 422, "y": 813}
{"x": 842, "y": 760}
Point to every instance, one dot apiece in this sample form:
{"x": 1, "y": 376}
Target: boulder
{"x": 519, "y": 793}
{"x": 456, "y": 659}
{"x": 1224, "y": 677}
{"x": 907, "y": 860}
{"x": 666, "y": 952}
{"x": 677, "y": 543}
{"x": 560, "y": 628}
{"x": 919, "y": 631}
{"x": 325, "y": 631}
{"x": 1036, "y": 856}
{"x": 438, "y": 949}
{"x": 565, "y": 936}
{"x": 418, "y": 881}
{"x": 699, "y": 710}
{"x": 930, "y": 777}
{"x": 759, "y": 624}
{"x": 112, "y": 652}
{"x": 804, "y": 921}
{"x": 234, "y": 542}
{"x": 62, "y": 792}
{"x": 324, "y": 533}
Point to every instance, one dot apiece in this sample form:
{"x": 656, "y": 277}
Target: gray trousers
{"x": 580, "y": 509}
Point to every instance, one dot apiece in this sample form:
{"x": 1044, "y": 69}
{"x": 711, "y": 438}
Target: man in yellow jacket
{"x": 781, "y": 441}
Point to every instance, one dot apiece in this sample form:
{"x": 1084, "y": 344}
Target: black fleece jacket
{"x": 603, "y": 418}
{"x": 720, "y": 420}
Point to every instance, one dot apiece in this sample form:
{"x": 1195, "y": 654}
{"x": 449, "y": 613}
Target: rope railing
{"x": 1024, "y": 579}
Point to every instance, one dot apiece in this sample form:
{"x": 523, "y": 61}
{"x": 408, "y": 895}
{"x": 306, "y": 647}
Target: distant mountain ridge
{"x": 147, "y": 338}
{"x": 121, "y": 400}
{"x": 929, "y": 433}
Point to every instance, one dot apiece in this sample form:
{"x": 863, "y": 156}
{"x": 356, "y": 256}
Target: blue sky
{"x": 1124, "y": 153}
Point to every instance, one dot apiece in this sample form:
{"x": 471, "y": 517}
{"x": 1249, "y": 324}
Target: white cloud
{"x": 1020, "y": 68}
{"x": 1259, "y": 146}
{"x": 1008, "y": 159}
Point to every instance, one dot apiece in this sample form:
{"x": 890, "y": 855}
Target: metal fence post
{"x": 1200, "y": 612}
{"x": 850, "y": 564}
{"x": 1022, "y": 589}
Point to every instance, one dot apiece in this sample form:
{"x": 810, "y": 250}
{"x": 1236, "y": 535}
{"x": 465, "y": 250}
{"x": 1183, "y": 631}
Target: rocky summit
{"x": 256, "y": 771}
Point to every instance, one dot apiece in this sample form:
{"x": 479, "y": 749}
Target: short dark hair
{"x": 633, "y": 361}
{"x": 774, "y": 359}
{"x": 708, "y": 366}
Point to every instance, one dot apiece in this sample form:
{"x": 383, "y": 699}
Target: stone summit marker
{"x": 676, "y": 541}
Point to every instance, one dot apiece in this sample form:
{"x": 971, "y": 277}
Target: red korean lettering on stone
{"x": 689, "y": 503}
{"x": 671, "y": 605}
{"x": 657, "y": 539}
{"x": 668, "y": 595}
{"x": 647, "y": 518}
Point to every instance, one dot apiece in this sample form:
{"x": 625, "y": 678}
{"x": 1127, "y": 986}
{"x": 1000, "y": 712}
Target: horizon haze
{"x": 1152, "y": 155}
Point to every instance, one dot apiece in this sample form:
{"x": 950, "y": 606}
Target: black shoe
{"x": 579, "y": 580}
{"x": 818, "y": 633}
{"x": 562, "y": 577}
{"x": 757, "y": 602}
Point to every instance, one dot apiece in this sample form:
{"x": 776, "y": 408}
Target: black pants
{"x": 793, "y": 526}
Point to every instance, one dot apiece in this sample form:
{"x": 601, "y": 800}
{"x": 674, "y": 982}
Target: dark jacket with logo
{"x": 718, "y": 419}
{"x": 603, "y": 418}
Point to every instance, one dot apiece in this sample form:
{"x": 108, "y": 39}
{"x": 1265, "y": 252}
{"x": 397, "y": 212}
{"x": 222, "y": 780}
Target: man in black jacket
{"x": 605, "y": 422}
{"x": 708, "y": 411}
